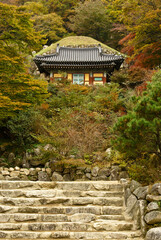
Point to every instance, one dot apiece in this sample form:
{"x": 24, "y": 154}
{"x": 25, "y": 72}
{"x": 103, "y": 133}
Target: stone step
{"x": 112, "y": 225}
{"x": 111, "y": 217}
{"x": 81, "y": 217}
{"x": 90, "y": 186}
{"x": 102, "y": 201}
{"x": 69, "y": 235}
{"x": 27, "y": 185}
{"x": 69, "y": 226}
{"x": 57, "y": 193}
{"x": 135, "y": 238}
{"x": 89, "y": 210}
{"x": 69, "y": 210}
{"x": 82, "y": 185}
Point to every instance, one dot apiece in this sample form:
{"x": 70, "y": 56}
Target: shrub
{"x": 144, "y": 170}
{"x": 80, "y": 117}
{"x": 121, "y": 77}
{"x": 22, "y": 128}
{"x": 132, "y": 77}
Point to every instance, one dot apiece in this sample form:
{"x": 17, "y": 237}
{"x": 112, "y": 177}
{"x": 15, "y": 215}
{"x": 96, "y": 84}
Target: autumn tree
{"x": 34, "y": 8}
{"x": 63, "y": 8}
{"x": 18, "y": 90}
{"x": 139, "y": 131}
{"x": 12, "y": 2}
{"x": 50, "y": 24}
{"x": 91, "y": 19}
{"x": 142, "y": 20}
{"x": 49, "y": 17}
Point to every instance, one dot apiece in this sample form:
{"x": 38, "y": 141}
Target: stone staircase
{"x": 64, "y": 210}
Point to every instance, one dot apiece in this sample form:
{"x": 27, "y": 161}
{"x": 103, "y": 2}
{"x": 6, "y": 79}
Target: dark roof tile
{"x": 78, "y": 55}
{"x": 66, "y": 56}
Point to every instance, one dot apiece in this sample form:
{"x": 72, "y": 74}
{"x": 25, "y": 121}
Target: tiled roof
{"x": 66, "y": 56}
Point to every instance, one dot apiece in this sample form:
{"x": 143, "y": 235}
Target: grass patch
{"x": 80, "y": 41}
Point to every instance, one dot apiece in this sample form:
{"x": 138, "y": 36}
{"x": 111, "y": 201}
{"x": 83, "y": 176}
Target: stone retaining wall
{"x": 62, "y": 173}
{"x": 33, "y": 174}
{"x": 143, "y": 205}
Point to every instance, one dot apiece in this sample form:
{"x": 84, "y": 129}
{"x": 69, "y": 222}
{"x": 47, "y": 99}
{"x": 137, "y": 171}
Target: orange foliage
{"x": 44, "y": 106}
{"x": 150, "y": 57}
{"x": 128, "y": 37}
{"x": 77, "y": 88}
{"x": 141, "y": 88}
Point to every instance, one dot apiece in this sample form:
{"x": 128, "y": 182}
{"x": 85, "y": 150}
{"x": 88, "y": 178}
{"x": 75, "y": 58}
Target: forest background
{"x": 79, "y": 121}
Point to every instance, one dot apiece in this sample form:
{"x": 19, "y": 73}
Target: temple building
{"x": 82, "y": 65}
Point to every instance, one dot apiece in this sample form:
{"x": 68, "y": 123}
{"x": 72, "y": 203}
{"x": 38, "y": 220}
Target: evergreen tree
{"x": 139, "y": 131}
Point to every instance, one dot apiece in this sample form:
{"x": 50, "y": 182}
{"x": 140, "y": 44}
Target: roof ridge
{"x": 46, "y": 55}
{"x": 80, "y": 48}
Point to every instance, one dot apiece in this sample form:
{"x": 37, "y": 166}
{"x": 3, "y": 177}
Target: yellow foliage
{"x": 18, "y": 90}
{"x": 77, "y": 88}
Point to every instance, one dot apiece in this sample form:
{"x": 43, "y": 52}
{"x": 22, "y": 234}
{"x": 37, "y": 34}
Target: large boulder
{"x": 154, "y": 234}
{"x": 127, "y": 194}
{"x": 104, "y": 172}
{"x": 143, "y": 206}
{"x": 134, "y": 185}
{"x": 153, "y": 198}
{"x": 152, "y": 206}
{"x": 156, "y": 189}
{"x": 57, "y": 177}
{"x": 43, "y": 176}
{"x": 153, "y": 217}
{"x": 115, "y": 171}
{"x": 141, "y": 192}
{"x": 95, "y": 171}
{"x": 131, "y": 202}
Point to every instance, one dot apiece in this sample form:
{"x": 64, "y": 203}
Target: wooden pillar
{"x": 104, "y": 78}
{"x": 91, "y": 78}
{"x": 51, "y": 77}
